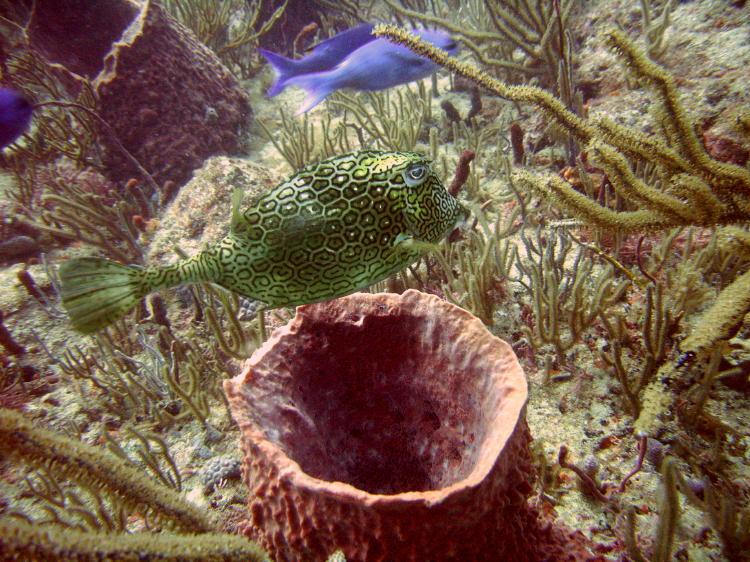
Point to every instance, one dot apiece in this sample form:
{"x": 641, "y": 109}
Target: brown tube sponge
{"x": 392, "y": 427}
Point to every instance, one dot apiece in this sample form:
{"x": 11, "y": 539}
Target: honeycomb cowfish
{"x": 331, "y": 229}
{"x": 324, "y": 56}
{"x": 15, "y": 115}
{"x": 376, "y": 65}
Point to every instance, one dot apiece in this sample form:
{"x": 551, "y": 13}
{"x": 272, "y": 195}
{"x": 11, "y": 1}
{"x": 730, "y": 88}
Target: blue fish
{"x": 15, "y": 115}
{"x": 376, "y": 65}
{"x": 324, "y": 56}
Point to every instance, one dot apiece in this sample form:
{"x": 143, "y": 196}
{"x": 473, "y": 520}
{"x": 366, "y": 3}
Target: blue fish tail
{"x": 285, "y": 69}
{"x": 317, "y": 85}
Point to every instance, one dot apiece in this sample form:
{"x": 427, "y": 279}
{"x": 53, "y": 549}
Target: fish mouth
{"x": 462, "y": 224}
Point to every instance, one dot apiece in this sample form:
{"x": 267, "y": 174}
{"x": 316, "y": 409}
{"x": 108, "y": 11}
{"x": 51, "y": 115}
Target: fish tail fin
{"x": 96, "y": 292}
{"x": 283, "y": 67}
{"x": 317, "y": 85}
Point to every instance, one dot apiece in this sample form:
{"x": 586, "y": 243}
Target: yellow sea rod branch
{"x": 719, "y": 174}
{"x": 633, "y": 189}
{"x": 79, "y": 462}
{"x": 587, "y": 209}
{"x": 702, "y": 191}
{"x": 647, "y": 148}
{"x": 662, "y": 81}
{"x": 692, "y": 157}
{"x": 21, "y": 540}
{"x": 545, "y": 101}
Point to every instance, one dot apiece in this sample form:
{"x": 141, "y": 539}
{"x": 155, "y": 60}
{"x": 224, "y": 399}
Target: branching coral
{"x": 669, "y": 516}
{"x": 241, "y": 342}
{"x": 503, "y": 29}
{"x": 655, "y": 332}
{"x": 392, "y": 121}
{"x": 300, "y": 143}
{"x": 165, "y": 386}
{"x": 71, "y": 212}
{"x": 692, "y": 188}
{"x": 66, "y": 134}
{"x": 563, "y": 294}
{"x": 231, "y": 29}
{"x": 154, "y": 453}
{"x": 21, "y": 440}
{"x": 22, "y": 540}
{"x": 700, "y": 190}
{"x": 114, "y": 488}
{"x": 69, "y": 132}
{"x": 57, "y": 131}
{"x": 389, "y": 121}
{"x": 477, "y": 267}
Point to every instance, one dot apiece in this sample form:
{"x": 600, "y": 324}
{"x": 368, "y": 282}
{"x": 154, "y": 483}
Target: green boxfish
{"x": 331, "y": 229}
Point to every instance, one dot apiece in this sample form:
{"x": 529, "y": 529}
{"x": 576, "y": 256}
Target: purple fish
{"x": 324, "y": 56}
{"x": 15, "y": 116}
{"x": 377, "y": 65}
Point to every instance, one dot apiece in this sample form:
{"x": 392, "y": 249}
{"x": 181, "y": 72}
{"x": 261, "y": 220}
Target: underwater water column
{"x": 390, "y": 427}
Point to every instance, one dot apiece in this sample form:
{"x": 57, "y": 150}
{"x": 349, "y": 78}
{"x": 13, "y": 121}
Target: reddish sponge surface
{"x": 391, "y": 427}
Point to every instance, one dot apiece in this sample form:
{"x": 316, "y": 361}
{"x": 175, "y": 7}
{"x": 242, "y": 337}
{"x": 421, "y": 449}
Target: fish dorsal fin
{"x": 237, "y": 217}
{"x": 354, "y": 36}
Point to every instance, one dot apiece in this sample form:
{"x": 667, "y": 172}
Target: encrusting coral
{"x": 390, "y": 426}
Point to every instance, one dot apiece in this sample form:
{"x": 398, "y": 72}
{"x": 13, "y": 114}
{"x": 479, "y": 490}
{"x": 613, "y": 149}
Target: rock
{"x": 202, "y": 211}
{"x": 391, "y": 427}
{"x": 212, "y": 435}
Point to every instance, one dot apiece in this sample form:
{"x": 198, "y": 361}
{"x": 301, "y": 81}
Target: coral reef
{"x": 504, "y": 34}
{"x": 21, "y": 540}
{"x": 78, "y": 461}
{"x": 420, "y": 452}
{"x": 705, "y": 192}
{"x": 607, "y": 244}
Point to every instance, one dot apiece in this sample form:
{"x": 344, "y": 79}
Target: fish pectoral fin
{"x": 295, "y": 231}
{"x": 402, "y": 240}
{"x": 237, "y": 195}
{"x": 407, "y": 243}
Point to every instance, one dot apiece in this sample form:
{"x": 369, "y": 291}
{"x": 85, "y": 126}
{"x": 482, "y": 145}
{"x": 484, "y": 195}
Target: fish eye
{"x": 415, "y": 174}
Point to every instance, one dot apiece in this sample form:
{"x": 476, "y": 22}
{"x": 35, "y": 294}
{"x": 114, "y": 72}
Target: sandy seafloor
{"x": 708, "y": 51}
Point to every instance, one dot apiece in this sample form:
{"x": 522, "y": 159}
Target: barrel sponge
{"x": 391, "y": 427}
{"x": 165, "y": 96}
